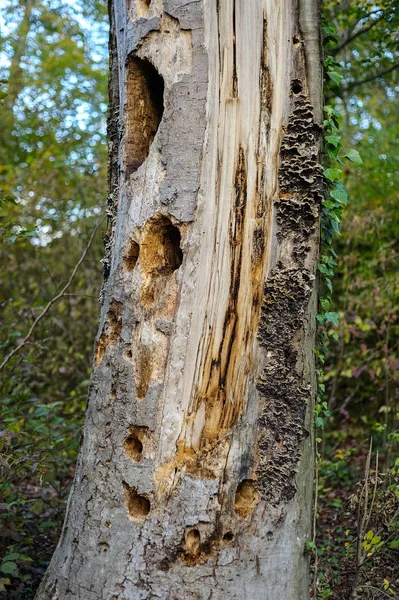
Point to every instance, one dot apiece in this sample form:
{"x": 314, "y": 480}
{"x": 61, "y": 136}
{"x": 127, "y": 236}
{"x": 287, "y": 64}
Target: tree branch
{"x": 52, "y": 301}
{"x": 371, "y": 78}
{"x": 350, "y": 39}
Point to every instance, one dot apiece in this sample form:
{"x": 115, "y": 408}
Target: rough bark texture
{"x": 195, "y": 473}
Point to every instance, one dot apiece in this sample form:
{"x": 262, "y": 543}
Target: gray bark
{"x": 195, "y": 472}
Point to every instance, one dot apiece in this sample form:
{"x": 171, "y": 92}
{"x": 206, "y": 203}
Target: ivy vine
{"x": 335, "y": 199}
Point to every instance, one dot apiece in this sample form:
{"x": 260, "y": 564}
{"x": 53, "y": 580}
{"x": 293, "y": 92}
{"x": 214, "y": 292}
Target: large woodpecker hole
{"x": 160, "y": 249}
{"x": 137, "y": 506}
{"x": 144, "y": 109}
{"x": 160, "y": 256}
{"x": 246, "y": 498}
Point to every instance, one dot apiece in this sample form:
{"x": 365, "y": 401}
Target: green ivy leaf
{"x": 339, "y": 194}
{"x": 333, "y": 139}
{"x": 335, "y": 76}
{"x": 332, "y": 174}
{"x": 354, "y": 156}
{"x": 332, "y": 317}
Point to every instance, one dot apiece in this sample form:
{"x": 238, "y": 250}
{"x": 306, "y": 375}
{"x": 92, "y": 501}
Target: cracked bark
{"x": 195, "y": 473}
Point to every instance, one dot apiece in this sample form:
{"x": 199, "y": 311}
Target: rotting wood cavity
{"x": 133, "y": 447}
{"x": 143, "y": 370}
{"x": 160, "y": 247}
{"x": 142, "y": 7}
{"x": 144, "y": 109}
{"x": 137, "y": 506}
{"x": 111, "y": 331}
{"x": 193, "y": 542}
{"x": 198, "y": 547}
{"x": 246, "y": 498}
{"x": 136, "y": 442}
{"x": 131, "y": 256}
{"x": 160, "y": 255}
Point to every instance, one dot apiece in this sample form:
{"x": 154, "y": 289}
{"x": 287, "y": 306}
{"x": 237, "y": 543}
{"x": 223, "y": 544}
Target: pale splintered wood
{"x": 195, "y": 473}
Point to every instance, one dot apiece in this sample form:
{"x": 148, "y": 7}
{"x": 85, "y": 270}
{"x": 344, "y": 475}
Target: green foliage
{"x": 359, "y": 352}
{"x": 52, "y": 189}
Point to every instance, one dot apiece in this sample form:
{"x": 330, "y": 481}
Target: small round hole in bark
{"x": 137, "y": 506}
{"x": 144, "y": 110}
{"x": 103, "y": 547}
{"x": 133, "y": 447}
{"x": 296, "y": 86}
{"x": 193, "y": 541}
{"x": 131, "y": 256}
{"x": 228, "y": 536}
{"x": 246, "y": 498}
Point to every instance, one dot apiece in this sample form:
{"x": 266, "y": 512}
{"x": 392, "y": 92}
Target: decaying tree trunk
{"x": 195, "y": 473}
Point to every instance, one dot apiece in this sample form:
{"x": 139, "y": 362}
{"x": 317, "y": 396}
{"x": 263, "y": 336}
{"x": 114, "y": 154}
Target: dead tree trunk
{"x": 195, "y": 473}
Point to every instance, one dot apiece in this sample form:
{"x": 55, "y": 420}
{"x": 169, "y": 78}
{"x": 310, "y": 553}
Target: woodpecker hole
{"x": 193, "y": 542}
{"x": 160, "y": 248}
{"x": 296, "y": 86}
{"x": 142, "y": 7}
{"x": 133, "y": 445}
{"x": 137, "y": 506}
{"x": 246, "y": 498}
{"x": 160, "y": 256}
{"x": 144, "y": 109}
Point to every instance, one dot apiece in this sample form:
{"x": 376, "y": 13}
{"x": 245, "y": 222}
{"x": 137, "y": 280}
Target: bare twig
{"x": 354, "y": 84}
{"x": 374, "y": 493}
{"x": 80, "y": 296}
{"x": 350, "y": 39}
{"x": 52, "y": 301}
{"x": 371, "y": 587}
{"x": 362, "y": 520}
